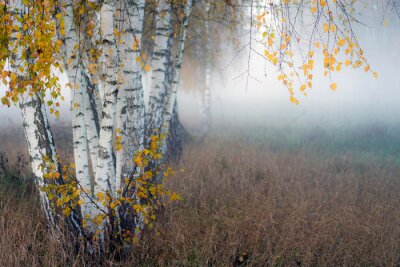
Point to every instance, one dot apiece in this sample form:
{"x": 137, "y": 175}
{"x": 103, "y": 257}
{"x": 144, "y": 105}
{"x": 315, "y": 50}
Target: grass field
{"x": 275, "y": 197}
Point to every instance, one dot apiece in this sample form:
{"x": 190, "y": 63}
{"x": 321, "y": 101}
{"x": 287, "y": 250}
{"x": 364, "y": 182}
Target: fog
{"x": 359, "y": 99}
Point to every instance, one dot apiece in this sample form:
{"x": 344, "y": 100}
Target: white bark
{"x": 94, "y": 83}
{"x": 40, "y": 146}
{"x": 80, "y": 144}
{"x": 38, "y": 137}
{"x": 92, "y": 125}
{"x": 130, "y": 103}
{"x": 78, "y": 87}
{"x": 159, "y": 65}
{"x": 105, "y": 172}
{"x": 171, "y": 97}
{"x": 95, "y": 42}
{"x": 93, "y": 97}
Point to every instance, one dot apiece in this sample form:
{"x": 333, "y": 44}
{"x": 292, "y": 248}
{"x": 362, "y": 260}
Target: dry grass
{"x": 272, "y": 207}
{"x": 24, "y": 240}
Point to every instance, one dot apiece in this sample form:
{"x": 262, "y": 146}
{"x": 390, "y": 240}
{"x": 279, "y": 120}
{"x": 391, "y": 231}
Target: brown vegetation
{"x": 245, "y": 204}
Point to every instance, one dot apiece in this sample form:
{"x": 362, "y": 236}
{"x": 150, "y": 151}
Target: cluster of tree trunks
{"x": 108, "y": 102}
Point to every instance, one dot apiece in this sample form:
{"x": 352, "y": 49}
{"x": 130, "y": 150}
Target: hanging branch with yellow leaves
{"x": 289, "y": 34}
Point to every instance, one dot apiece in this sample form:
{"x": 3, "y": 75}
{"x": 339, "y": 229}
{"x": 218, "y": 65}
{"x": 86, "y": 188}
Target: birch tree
{"x": 206, "y": 100}
{"x": 22, "y": 58}
{"x": 38, "y": 136}
{"x": 159, "y": 63}
{"x": 79, "y": 86}
{"x": 131, "y": 110}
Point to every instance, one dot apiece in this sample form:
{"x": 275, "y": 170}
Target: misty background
{"x": 360, "y": 99}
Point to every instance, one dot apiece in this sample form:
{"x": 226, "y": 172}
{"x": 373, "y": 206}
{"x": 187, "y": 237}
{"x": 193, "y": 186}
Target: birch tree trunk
{"x": 206, "y": 99}
{"x": 40, "y": 146}
{"x": 92, "y": 123}
{"x": 130, "y": 103}
{"x": 105, "y": 172}
{"x": 171, "y": 97}
{"x": 94, "y": 42}
{"x": 78, "y": 85}
{"x": 93, "y": 97}
{"x": 37, "y": 131}
{"x": 175, "y": 137}
{"x": 159, "y": 65}
{"x": 80, "y": 144}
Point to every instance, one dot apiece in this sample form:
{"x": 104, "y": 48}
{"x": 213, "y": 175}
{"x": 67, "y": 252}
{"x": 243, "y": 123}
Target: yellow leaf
{"x": 333, "y": 86}
{"x": 92, "y": 68}
{"x": 314, "y": 9}
{"x": 326, "y": 27}
{"x": 341, "y": 42}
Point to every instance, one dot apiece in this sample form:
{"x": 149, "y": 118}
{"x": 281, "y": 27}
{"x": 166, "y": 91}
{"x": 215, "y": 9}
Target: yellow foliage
{"x": 332, "y": 36}
{"x": 139, "y": 191}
